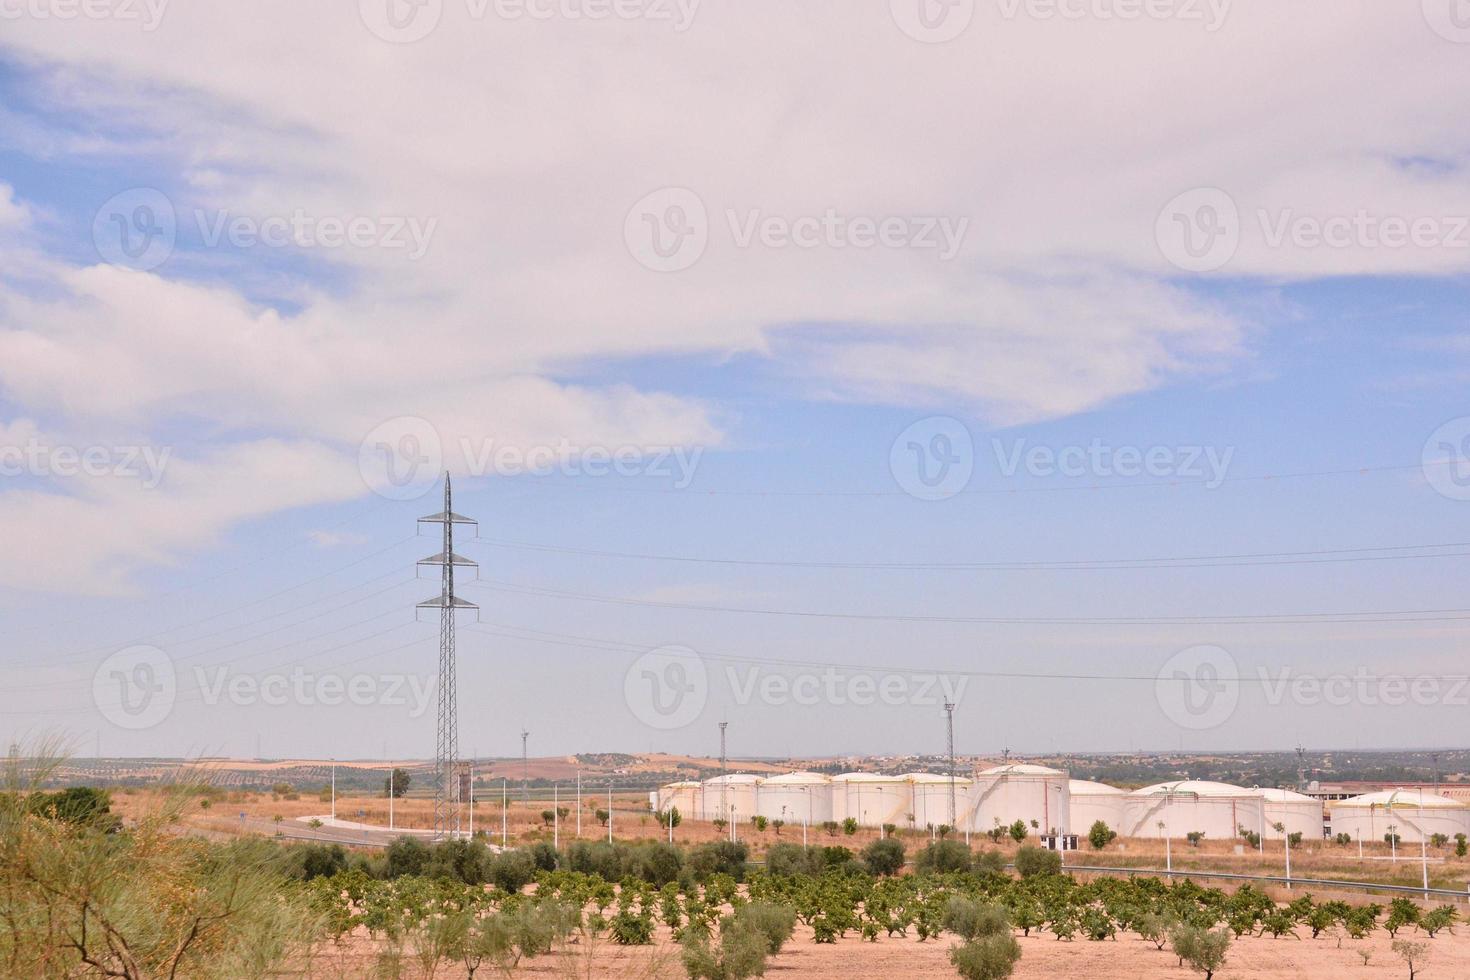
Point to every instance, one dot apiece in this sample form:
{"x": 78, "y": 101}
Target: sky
{"x": 1097, "y": 367}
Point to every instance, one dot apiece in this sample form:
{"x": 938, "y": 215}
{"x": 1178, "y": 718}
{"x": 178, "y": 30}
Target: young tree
{"x": 1100, "y": 835}
{"x": 397, "y": 783}
{"x": 1412, "y": 953}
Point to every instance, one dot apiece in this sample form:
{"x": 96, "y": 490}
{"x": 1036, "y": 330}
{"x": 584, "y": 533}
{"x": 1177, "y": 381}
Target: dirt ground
{"x": 1043, "y": 956}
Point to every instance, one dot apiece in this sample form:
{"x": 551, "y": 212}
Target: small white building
{"x": 1089, "y": 802}
{"x": 1177, "y": 809}
{"x": 1033, "y": 794}
{"x": 1412, "y": 814}
{"x": 796, "y": 797}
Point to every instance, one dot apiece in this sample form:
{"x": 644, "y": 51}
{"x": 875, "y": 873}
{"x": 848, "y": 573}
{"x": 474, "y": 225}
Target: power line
{"x": 1325, "y": 556}
{"x": 605, "y": 645}
{"x": 1377, "y": 616}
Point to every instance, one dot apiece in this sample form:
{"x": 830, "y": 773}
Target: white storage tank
{"x": 1298, "y": 813}
{"x": 687, "y": 797}
{"x": 1219, "y": 810}
{"x": 1089, "y": 802}
{"x": 736, "y": 792}
{"x": 929, "y": 799}
{"x": 1019, "y": 791}
{"x": 872, "y": 799}
{"x": 1415, "y": 815}
{"x": 796, "y": 797}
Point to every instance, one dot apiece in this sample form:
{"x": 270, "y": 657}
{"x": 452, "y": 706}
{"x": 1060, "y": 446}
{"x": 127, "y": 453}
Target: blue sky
{"x": 537, "y": 316}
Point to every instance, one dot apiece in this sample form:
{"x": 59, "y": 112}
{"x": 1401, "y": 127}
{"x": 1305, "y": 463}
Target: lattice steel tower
{"x": 447, "y": 802}
{"x": 949, "y": 751}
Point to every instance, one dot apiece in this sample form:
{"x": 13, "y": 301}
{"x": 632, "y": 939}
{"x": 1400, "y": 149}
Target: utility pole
{"x": 446, "y": 742}
{"x": 609, "y": 810}
{"x": 503, "y": 819}
{"x": 525, "y": 769}
{"x": 949, "y": 752}
{"x": 724, "y": 786}
{"x": 579, "y": 804}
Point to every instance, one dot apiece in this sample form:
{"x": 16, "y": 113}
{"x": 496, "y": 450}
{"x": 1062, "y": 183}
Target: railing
{"x": 1278, "y": 880}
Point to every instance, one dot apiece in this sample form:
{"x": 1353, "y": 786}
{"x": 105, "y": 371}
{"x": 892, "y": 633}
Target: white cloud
{"x": 527, "y": 142}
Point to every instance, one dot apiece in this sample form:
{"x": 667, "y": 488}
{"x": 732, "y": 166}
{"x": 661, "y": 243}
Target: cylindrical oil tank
{"x": 1299, "y": 814}
{"x": 1038, "y": 796}
{"x": 735, "y": 793}
{"x": 687, "y": 797}
{"x": 872, "y": 799}
{"x": 1089, "y": 802}
{"x": 1218, "y": 810}
{"x": 929, "y": 796}
{"x": 1413, "y": 814}
{"x": 796, "y": 797}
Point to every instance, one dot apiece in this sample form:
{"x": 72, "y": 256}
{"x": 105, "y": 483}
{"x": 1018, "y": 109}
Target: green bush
{"x": 989, "y": 958}
{"x": 1101, "y": 835}
{"x": 774, "y": 922}
{"x": 510, "y": 871}
{"x": 943, "y": 856}
{"x": 719, "y": 857}
{"x": 1018, "y": 831}
{"x": 741, "y": 953}
{"x": 307, "y": 861}
{"x": 970, "y": 919}
{"x": 884, "y": 857}
{"x": 406, "y": 856}
{"x": 1033, "y": 861}
{"x": 787, "y": 860}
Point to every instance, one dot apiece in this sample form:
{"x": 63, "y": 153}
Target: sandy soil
{"x": 1127, "y": 958}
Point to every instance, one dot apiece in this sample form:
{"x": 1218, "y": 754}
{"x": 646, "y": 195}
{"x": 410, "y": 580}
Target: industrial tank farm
{"x": 1035, "y": 795}
{"x": 735, "y": 794}
{"x": 872, "y": 799}
{"x": 1297, "y": 813}
{"x": 1177, "y": 809}
{"x": 930, "y": 793}
{"x": 1090, "y": 802}
{"x": 1413, "y": 814}
{"x": 797, "y": 797}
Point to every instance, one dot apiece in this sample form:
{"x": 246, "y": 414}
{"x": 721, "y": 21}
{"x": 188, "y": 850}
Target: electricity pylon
{"x": 446, "y": 743}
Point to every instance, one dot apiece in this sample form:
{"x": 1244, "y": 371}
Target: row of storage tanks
{"x": 1057, "y": 804}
